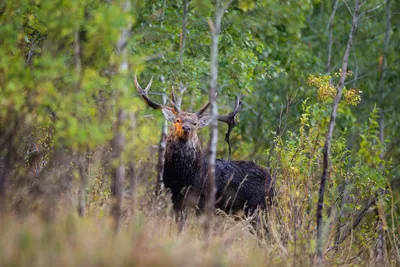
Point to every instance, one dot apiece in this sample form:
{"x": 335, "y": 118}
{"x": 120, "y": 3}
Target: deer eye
{"x": 194, "y": 123}
{"x": 178, "y": 120}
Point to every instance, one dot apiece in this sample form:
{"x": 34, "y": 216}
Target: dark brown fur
{"x": 241, "y": 185}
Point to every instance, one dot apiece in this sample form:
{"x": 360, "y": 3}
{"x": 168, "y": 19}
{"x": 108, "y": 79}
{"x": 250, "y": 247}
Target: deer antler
{"x": 230, "y": 119}
{"x": 204, "y": 108}
{"x": 146, "y": 98}
{"x": 173, "y": 100}
{"x": 201, "y": 111}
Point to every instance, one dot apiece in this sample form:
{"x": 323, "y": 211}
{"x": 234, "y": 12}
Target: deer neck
{"x": 183, "y": 161}
{"x": 188, "y": 150}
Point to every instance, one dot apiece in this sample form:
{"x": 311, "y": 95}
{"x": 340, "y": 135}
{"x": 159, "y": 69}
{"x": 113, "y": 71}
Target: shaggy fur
{"x": 241, "y": 185}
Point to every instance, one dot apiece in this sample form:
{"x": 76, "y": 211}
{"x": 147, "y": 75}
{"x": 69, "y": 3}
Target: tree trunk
{"x": 161, "y": 152}
{"x": 83, "y": 185}
{"x": 380, "y": 251}
{"x": 164, "y": 130}
{"x": 380, "y": 245}
{"x": 132, "y": 169}
{"x": 327, "y": 146}
{"x": 133, "y": 182}
{"x": 118, "y": 172}
{"x": 381, "y": 84}
{"x": 5, "y": 174}
{"x": 212, "y": 152}
{"x": 81, "y": 158}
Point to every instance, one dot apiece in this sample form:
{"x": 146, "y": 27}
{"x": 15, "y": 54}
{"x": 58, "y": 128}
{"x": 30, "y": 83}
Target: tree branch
{"x": 381, "y": 83}
{"x": 346, "y": 232}
{"x": 182, "y": 42}
{"x": 330, "y": 29}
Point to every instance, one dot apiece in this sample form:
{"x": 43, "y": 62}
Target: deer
{"x": 242, "y": 187}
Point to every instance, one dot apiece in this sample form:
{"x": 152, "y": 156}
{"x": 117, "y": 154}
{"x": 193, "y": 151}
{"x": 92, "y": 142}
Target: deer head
{"x": 186, "y": 124}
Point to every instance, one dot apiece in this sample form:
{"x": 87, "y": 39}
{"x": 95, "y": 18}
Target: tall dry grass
{"x": 283, "y": 236}
{"x": 150, "y": 237}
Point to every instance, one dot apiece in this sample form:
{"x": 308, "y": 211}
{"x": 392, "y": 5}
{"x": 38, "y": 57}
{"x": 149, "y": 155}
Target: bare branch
{"x": 347, "y": 231}
{"x": 381, "y": 83}
{"x": 348, "y": 8}
{"x": 183, "y": 30}
{"x": 356, "y": 69}
{"x": 330, "y": 29}
{"x": 163, "y": 6}
{"x": 361, "y": 76}
{"x": 77, "y": 53}
{"x": 372, "y": 9}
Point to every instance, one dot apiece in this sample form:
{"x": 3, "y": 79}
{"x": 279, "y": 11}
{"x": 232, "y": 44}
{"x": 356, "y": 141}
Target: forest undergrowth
{"x": 81, "y": 157}
{"x": 52, "y": 233}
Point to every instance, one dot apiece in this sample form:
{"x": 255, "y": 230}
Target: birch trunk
{"x": 212, "y": 152}
{"x": 331, "y": 126}
{"x": 118, "y": 172}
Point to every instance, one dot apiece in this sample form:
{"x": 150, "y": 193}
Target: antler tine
{"x": 173, "y": 100}
{"x": 139, "y": 88}
{"x": 144, "y": 92}
{"x": 204, "y": 108}
{"x": 145, "y": 97}
{"x": 230, "y": 119}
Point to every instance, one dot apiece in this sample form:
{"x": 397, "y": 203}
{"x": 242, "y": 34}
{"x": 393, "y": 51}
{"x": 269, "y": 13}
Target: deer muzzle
{"x": 186, "y": 129}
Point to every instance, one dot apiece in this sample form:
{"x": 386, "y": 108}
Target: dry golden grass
{"x": 150, "y": 237}
{"x": 144, "y": 241}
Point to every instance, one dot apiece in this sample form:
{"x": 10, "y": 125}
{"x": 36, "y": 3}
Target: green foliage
{"x": 58, "y": 103}
{"x": 372, "y": 171}
{"x": 297, "y": 161}
{"x": 327, "y": 91}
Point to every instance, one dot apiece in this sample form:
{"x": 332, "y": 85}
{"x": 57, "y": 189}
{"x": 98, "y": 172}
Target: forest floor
{"x": 149, "y": 236}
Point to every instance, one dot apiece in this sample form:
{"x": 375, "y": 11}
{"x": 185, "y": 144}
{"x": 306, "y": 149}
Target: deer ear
{"x": 204, "y": 121}
{"x": 168, "y": 114}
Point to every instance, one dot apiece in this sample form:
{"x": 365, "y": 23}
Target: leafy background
{"x": 59, "y": 113}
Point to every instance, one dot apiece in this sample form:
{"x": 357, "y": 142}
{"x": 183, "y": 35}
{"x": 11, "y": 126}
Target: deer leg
{"x": 181, "y": 220}
{"x": 180, "y": 212}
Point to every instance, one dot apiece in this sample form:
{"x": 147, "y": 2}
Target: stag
{"x": 242, "y": 186}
